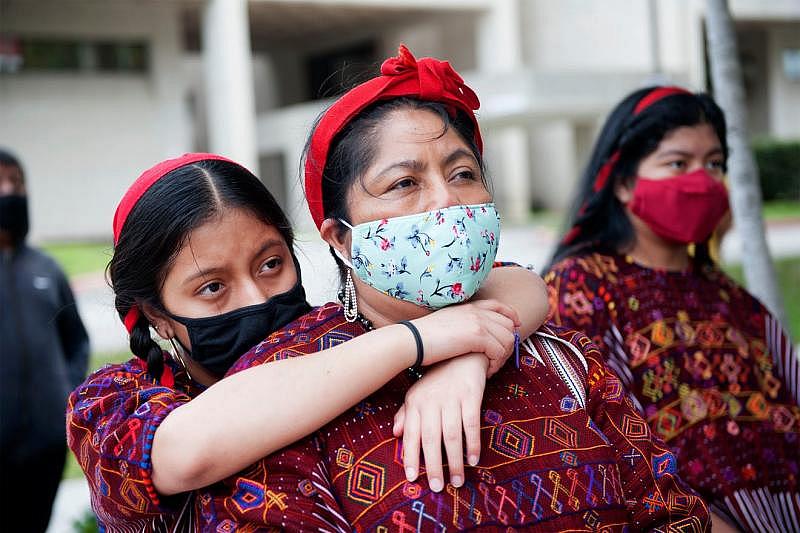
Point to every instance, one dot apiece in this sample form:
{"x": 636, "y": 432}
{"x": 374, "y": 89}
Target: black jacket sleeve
{"x": 72, "y": 333}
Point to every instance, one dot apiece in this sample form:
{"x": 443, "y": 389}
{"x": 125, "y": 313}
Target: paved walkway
{"x": 527, "y": 245}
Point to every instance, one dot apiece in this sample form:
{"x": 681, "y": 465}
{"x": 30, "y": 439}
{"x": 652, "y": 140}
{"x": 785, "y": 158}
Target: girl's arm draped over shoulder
{"x": 253, "y": 413}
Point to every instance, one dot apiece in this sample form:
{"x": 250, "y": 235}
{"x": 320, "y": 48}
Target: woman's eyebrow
{"x": 674, "y": 152}
{"x": 410, "y": 164}
{"x": 458, "y": 154}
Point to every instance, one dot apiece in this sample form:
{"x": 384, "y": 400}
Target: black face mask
{"x": 14, "y": 217}
{"x": 218, "y": 341}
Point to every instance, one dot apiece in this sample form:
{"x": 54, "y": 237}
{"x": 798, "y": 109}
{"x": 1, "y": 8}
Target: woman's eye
{"x": 714, "y": 165}
{"x": 465, "y": 175}
{"x": 678, "y": 165}
{"x": 210, "y": 289}
{"x": 403, "y": 183}
{"x": 271, "y": 264}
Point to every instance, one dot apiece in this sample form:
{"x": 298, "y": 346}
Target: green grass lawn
{"x": 781, "y": 210}
{"x": 788, "y": 271}
{"x": 80, "y": 257}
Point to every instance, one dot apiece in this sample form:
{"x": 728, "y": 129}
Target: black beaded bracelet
{"x": 418, "y": 340}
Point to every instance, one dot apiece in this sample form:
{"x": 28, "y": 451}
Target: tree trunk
{"x": 745, "y": 187}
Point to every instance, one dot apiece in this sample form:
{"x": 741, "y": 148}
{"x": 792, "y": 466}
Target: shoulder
{"x": 123, "y": 387}
{"x": 321, "y": 328}
{"x": 575, "y": 345}
{"x": 42, "y": 260}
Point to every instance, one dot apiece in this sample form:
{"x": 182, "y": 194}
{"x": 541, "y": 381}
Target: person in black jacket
{"x": 44, "y": 351}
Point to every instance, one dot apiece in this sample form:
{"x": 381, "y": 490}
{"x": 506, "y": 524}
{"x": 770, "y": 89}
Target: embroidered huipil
{"x": 562, "y": 449}
{"x": 111, "y": 420}
{"x": 708, "y": 366}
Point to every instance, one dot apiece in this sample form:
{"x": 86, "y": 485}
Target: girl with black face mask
{"x": 203, "y": 256}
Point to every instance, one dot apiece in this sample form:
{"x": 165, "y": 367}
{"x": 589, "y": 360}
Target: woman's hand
{"x": 487, "y": 327}
{"x": 445, "y": 403}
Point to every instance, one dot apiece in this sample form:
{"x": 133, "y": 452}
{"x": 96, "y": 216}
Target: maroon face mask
{"x": 684, "y": 209}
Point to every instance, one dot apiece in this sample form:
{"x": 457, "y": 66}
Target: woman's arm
{"x": 249, "y": 415}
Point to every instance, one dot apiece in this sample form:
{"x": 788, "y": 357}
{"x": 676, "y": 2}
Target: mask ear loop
{"x": 178, "y": 357}
{"x": 348, "y": 296}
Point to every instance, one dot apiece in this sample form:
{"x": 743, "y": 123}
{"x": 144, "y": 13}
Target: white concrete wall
{"x": 784, "y": 94}
{"x": 84, "y": 137}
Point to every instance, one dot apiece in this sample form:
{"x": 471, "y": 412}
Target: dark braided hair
{"x": 160, "y": 223}
{"x": 597, "y": 220}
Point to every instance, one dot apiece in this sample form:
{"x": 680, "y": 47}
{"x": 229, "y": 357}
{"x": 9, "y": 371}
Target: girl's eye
{"x": 679, "y": 165}
{"x": 714, "y": 165}
{"x": 271, "y": 264}
{"x": 210, "y": 289}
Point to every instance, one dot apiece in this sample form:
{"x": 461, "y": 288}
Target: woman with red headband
{"x": 707, "y": 365}
{"x": 395, "y": 182}
{"x": 203, "y": 255}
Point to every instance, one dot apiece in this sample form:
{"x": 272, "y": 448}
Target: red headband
{"x": 426, "y": 78}
{"x": 604, "y": 173}
{"x": 649, "y": 99}
{"x": 137, "y": 190}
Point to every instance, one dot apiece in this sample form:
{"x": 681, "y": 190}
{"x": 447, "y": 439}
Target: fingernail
{"x": 436, "y": 485}
{"x": 411, "y": 474}
{"x": 456, "y": 481}
{"x": 472, "y": 460}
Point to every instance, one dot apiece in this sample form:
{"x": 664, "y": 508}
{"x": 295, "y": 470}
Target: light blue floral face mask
{"x": 434, "y": 259}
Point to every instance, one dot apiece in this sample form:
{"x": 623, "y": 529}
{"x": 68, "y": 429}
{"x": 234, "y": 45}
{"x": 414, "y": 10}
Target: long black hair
{"x": 353, "y": 150}
{"x": 160, "y": 223}
{"x": 597, "y": 220}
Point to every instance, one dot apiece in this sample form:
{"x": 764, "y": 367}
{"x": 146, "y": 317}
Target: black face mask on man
{"x": 218, "y": 341}
{"x": 14, "y": 217}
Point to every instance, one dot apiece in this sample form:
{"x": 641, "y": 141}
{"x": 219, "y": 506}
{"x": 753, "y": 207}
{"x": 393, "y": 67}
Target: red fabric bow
{"x": 426, "y": 78}
{"x": 137, "y": 190}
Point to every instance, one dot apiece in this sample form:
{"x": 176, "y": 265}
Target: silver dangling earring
{"x": 350, "y": 302}
{"x": 177, "y": 357}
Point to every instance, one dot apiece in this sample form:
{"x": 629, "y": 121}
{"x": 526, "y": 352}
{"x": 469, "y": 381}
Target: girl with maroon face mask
{"x": 710, "y": 368}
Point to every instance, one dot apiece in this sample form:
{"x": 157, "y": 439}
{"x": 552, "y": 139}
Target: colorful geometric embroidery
{"x": 344, "y": 458}
{"x": 664, "y": 464}
{"x": 560, "y": 433}
{"x": 634, "y": 428}
{"x": 366, "y": 482}
{"x": 511, "y": 441}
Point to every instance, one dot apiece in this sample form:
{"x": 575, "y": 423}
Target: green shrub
{"x": 779, "y": 168}
{"x": 86, "y": 523}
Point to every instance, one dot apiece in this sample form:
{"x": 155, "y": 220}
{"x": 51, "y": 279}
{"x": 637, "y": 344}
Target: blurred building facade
{"x": 94, "y": 91}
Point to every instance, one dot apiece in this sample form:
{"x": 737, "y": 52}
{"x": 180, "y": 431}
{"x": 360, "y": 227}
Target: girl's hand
{"x": 445, "y": 403}
{"x": 485, "y": 327}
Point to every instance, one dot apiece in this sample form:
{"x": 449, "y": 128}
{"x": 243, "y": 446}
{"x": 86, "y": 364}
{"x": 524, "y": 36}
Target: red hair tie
{"x": 426, "y": 78}
{"x": 137, "y": 190}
